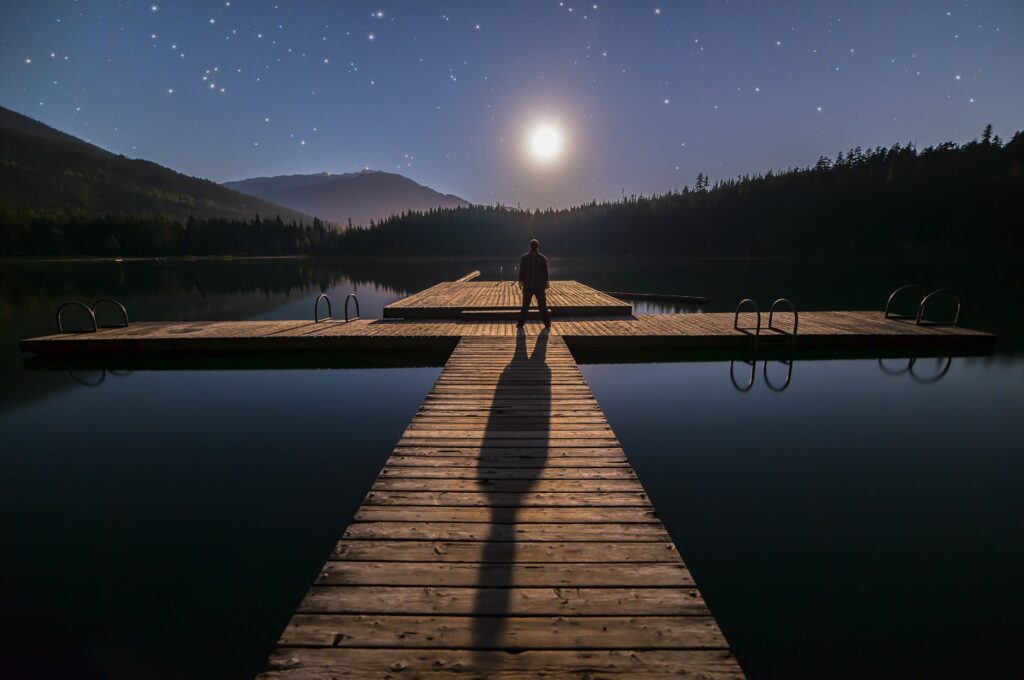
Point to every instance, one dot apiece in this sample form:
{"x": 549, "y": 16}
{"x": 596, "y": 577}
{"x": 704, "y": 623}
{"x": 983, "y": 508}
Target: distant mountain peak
{"x": 359, "y": 196}
{"x": 46, "y": 170}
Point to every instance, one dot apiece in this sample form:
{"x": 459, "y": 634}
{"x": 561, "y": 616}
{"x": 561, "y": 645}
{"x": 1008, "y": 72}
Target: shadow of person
{"x": 516, "y": 441}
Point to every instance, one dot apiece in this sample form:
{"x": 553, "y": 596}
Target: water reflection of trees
{"x": 179, "y": 290}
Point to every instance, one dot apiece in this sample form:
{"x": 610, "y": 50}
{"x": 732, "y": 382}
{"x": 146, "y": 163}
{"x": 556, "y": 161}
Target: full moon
{"x": 546, "y": 143}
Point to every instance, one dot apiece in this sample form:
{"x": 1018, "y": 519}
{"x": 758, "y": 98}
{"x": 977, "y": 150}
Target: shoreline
{"x": 185, "y": 259}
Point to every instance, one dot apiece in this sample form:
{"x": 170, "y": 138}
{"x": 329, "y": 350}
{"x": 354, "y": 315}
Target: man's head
{"x": 534, "y": 245}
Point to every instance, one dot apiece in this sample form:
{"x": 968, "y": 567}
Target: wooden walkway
{"x": 459, "y": 299}
{"x": 830, "y": 330}
{"x": 506, "y": 537}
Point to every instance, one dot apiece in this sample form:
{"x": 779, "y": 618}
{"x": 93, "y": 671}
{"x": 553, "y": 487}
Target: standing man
{"x": 533, "y": 277}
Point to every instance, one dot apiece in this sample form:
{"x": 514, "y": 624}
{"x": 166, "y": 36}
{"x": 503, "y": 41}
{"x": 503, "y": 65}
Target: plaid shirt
{"x": 533, "y": 271}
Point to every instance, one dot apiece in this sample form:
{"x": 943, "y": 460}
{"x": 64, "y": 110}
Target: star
{"x": 154, "y": 8}
{"x": 371, "y": 37}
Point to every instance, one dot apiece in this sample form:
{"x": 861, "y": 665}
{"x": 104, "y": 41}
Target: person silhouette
{"x": 533, "y": 279}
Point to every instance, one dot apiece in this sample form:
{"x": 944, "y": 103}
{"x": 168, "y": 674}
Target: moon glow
{"x": 546, "y": 143}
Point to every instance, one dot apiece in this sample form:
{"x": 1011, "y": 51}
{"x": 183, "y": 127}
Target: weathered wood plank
{"x": 321, "y": 663}
{"x": 502, "y": 601}
{"x": 507, "y": 519}
{"x": 485, "y": 531}
{"x": 478, "y": 552}
{"x": 518, "y": 574}
{"x": 559, "y": 514}
{"x": 534, "y": 632}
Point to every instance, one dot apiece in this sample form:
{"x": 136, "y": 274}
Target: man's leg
{"x": 527, "y": 294}
{"x": 542, "y": 302}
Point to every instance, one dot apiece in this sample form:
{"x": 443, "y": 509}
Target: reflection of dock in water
{"x": 507, "y": 535}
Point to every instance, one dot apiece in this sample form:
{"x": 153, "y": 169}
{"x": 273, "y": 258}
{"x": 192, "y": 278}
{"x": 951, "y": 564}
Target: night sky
{"x": 644, "y": 94}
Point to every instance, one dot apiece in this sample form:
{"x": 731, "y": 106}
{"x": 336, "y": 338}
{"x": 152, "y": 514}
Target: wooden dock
{"x": 502, "y": 299}
{"x": 817, "y": 330}
{"x": 506, "y": 537}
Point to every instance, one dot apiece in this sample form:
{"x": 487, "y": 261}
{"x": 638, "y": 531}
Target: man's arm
{"x": 547, "y": 283}
{"x": 522, "y": 268}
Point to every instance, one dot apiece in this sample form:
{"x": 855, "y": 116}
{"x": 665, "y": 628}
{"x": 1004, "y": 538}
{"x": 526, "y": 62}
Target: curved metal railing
{"x": 86, "y": 382}
{"x": 796, "y": 317}
{"x": 911, "y": 370}
{"x": 89, "y": 311}
{"x": 750, "y": 381}
{"x": 931, "y": 378}
{"x": 789, "y": 376}
{"x": 892, "y": 296}
{"x": 316, "y": 308}
{"x": 893, "y": 371}
{"x": 351, "y": 296}
{"x": 927, "y": 298}
{"x": 112, "y": 301}
{"x": 736, "y": 318}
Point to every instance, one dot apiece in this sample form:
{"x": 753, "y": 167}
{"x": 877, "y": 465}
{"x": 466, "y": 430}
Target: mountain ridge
{"x": 45, "y": 170}
{"x": 363, "y": 196}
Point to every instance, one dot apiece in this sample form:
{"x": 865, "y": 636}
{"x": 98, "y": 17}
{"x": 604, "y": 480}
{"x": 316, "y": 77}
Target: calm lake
{"x": 843, "y": 518}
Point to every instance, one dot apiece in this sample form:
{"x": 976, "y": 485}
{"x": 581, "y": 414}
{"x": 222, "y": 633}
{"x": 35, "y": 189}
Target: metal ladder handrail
{"x": 736, "y": 317}
{"x": 894, "y": 372}
{"x": 92, "y": 315}
{"x": 928, "y": 297}
{"x": 753, "y": 374}
{"x": 796, "y": 317}
{"x": 351, "y": 296}
{"x": 112, "y": 301}
{"x": 789, "y": 375}
{"x": 316, "y": 308}
{"x": 892, "y": 296}
{"x": 88, "y": 383}
{"x": 934, "y": 378}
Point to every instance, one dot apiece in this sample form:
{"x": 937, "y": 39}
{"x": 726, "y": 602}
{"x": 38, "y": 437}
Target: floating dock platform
{"x": 507, "y": 535}
{"x": 501, "y": 299}
{"x": 583, "y": 317}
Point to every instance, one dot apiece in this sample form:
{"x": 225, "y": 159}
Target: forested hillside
{"x": 968, "y": 197}
{"x": 949, "y": 198}
{"x": 44, "y": 171}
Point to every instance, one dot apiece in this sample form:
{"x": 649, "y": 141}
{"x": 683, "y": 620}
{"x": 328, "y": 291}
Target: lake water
{"x": 862, "y": 519}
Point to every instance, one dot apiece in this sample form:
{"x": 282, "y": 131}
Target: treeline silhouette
{"x": 950, "y": 197}
{"x": 897, "y": 199}
{"x": 30, "y": 233}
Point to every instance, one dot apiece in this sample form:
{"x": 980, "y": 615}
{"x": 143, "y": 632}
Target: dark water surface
{"x": 864, "y": 521}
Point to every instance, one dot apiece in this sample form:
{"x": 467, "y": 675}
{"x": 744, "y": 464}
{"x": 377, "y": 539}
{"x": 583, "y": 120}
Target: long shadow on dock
{"x": 522, "y": 404}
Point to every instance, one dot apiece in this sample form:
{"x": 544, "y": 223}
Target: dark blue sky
{"x": 646, "y": 94}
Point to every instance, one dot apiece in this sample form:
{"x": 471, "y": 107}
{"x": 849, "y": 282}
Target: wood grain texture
{"x": 837, "y": 331}
{"x": 507, "y": 536}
